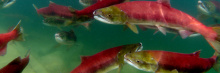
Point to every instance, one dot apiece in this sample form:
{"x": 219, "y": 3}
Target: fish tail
{"x": 215, "y": 43}
{"x": 19, "y": 31}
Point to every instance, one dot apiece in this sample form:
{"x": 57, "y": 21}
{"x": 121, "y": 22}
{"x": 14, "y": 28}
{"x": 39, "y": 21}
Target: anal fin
{"x": 184, "y": 33}
{"x": 161, "y": 29}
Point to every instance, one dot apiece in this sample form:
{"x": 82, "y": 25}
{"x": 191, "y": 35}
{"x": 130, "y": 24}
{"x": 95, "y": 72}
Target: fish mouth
{"x": 98, "y": 16}
{"x": 130, "y": 62}
{"x": 58, "y": 38}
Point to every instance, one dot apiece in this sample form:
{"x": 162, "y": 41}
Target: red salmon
{"x": 15, "y": 34}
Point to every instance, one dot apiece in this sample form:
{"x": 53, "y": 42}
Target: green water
{"x": 46, "y": 59}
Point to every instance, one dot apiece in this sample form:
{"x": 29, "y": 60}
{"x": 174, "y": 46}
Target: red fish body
{"x": 98, "y": 61}
{"x": 165, "y": 62}
{"x": 100, "y": 4}
{"x": 190, "y": 63}
{"x": 160, "y": 12}
{"x": 55, "y": 10}
{"x": 6, "y": 37}
{"x": 16, "y": 66}
{"x": 105, "y": 60}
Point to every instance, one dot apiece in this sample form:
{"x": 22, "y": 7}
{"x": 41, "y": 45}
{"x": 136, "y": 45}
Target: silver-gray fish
{"x": 6, "y": 3}
{"x": 66, "y": 38}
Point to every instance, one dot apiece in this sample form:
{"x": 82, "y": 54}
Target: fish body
{"x": 55, "y": 10}
{"x": 6, "y": 3}
{"x": 106, "y": 60}
{"x": 160, "y": 61}
{"x": 16, "y": 66}
{"x": 15, "y": 34}
{"x": 66, "y": 38}
{"x": 158, "y": 14}
{"x": 61, "y": 16}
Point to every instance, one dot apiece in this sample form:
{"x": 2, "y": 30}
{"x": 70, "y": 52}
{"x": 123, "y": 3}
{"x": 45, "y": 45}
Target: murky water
{"x": 46, "y": 59}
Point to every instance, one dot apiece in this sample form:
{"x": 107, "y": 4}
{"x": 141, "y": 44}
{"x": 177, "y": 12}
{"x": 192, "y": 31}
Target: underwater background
{"x": 44, "y": 58}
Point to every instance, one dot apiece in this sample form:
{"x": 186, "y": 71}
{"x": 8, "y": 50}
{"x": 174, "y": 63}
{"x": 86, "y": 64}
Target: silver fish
{"x": 66, "y": 38}
{"x": 6, "y": 3}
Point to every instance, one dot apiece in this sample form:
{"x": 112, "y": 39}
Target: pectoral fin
{"x": 184, "y": 33}
{"x": 155, "y": 32}
{"x": 166, "y": 71}
{"x": 86, "y": 25}
{"x": 161, "y": 29}
{"x": 68, "y": 22}
{"x": 174, "y": 71}
{"x": 132, "y": 27}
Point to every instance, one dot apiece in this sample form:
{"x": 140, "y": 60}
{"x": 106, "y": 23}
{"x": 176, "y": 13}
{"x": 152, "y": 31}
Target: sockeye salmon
{"x": 106, "y": 60}
{"x": 170, "y": 62}
{"x": 158, "y": 14}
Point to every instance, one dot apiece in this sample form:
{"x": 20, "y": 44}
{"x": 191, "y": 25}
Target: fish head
{"x": 128, "y": 49}
{"x": 206, "y": 7}
{"x": 142, "y": 60}
{"x": 110, "y": 15}
{"x": 64, "y": 37}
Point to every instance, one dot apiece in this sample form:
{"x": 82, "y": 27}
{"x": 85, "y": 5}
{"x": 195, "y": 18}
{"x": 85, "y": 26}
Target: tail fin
{"x": 20, "y": 32}
{"x": 216, "y": 42}
{"x": 217, "y": 63}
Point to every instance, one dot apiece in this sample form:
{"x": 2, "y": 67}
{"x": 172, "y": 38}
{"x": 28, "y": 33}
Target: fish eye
{"x": 109, "y": 15}
{"x": 138, "y": 61}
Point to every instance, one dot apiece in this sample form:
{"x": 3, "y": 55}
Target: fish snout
{"x": 57, "y": 35}
{"x": 97, "y": 12}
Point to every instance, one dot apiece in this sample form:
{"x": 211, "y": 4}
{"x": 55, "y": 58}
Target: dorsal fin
{"x": 196, "y": 53}
{"x": 15, "y": 61}
{"x": 83, "y": 58}
{"x": 167, "y": 2}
